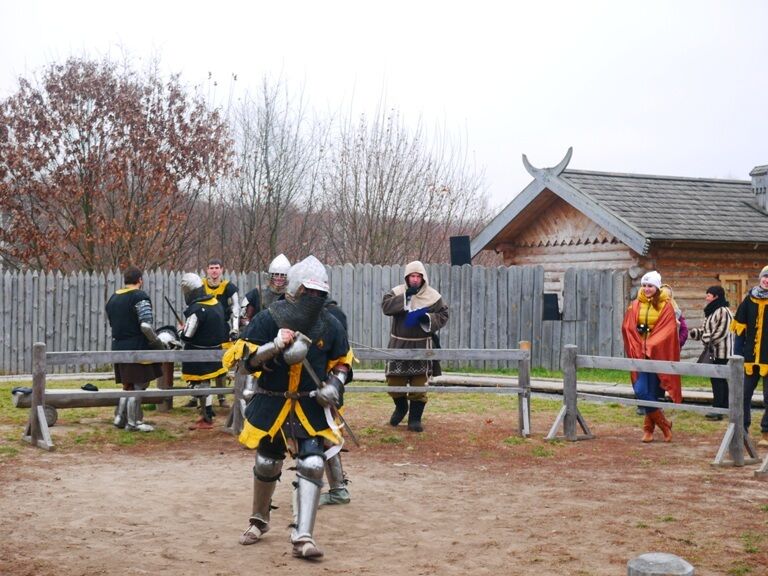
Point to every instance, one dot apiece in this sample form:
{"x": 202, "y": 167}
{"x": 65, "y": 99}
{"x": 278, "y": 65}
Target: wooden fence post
{"x": 569, "y": 414}
{"x": 569, "y": 392}
{"x": 735, "y": 440}
{"x": 524, "y": 381}
{"x": 37, "y": 432}
{"x": 736, "y": 409}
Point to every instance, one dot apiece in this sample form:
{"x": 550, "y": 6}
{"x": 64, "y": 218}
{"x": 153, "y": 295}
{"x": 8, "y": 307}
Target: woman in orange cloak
{"x": 650, "y": 332}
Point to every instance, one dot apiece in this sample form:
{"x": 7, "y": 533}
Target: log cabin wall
{"x": 690, "y": 270}
{"x": 560, "y": 237}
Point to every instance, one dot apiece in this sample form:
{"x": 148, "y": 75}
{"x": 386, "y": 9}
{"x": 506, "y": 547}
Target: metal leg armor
{"x": 309, "y": 481}
{"x": 337, "y": 483}
{"x": 208, "y": 413}
{"x": 266, "y": 474}
{"x": 134, "y": 414}
{"x": 121, "y": 415}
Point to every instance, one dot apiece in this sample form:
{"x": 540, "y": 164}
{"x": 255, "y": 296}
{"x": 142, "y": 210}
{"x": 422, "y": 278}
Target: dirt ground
{"x": 465, "y": 497}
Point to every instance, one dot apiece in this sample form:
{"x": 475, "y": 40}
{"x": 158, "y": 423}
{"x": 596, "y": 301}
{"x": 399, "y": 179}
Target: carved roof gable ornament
{"x": 546, "y": 174}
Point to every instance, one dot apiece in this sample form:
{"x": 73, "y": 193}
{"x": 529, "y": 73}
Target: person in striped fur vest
{"x": 715, "y": 333}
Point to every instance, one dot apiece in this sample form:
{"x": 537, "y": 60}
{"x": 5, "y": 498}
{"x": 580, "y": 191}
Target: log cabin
{"x": 696, "y": 232}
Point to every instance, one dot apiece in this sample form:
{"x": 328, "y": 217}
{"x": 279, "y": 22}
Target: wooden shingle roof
{"x": 669, "y": 208}
{"x": 640, "y": 209}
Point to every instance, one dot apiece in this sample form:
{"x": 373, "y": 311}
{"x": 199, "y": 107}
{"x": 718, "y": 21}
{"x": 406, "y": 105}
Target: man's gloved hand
{"x": 411, "y": 290}
{"x": 329, "y": 395}
{"x": 284, "y": 338}
{"x": 158, "y": 345}
{"x": 414, "y": 316}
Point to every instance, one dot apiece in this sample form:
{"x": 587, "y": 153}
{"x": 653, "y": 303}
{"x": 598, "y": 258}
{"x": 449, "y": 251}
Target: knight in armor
{"x": 338, "y": 492}
{"x": 204, "y": 328}
{"x": 303, "y": 358}
{"x": 253, "y": 302}
{"x": 130, "y": 315}
{"x": 227, "y": 294}
{"x": 418, "y": 312}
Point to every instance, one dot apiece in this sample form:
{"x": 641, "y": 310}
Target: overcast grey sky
{"x": 656, "y": 87}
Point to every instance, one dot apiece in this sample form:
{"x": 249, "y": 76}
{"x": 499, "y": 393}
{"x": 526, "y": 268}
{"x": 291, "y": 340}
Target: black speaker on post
{"x": 460, "y": 251}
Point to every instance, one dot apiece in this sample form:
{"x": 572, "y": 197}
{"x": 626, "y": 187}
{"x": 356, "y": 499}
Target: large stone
{"x": 659, "y": 564}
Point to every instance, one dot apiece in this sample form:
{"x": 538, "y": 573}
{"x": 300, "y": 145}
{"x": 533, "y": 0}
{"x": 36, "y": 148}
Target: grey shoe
{"x": 335, "y": 496}
{"x": 253, "y": 534}
{"x": 139, "y": 427}
{"x": 306, "y": 549}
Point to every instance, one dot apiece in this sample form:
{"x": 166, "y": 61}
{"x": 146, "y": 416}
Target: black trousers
{"x": 750, "y": 384}
{"x": 719, "y": 387}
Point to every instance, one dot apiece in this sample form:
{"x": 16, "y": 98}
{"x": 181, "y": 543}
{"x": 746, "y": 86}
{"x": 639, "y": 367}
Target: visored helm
{"x": 309, "y": 273}
{"x": 278, "y": 270}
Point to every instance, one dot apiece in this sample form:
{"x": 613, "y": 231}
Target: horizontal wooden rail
{"x": 456, "y": 354}
{"x": 658, "y": 366}
{"x": 441, "y": 389}
{"x": 113, "y": 356}
{"x": 64, "y": 398}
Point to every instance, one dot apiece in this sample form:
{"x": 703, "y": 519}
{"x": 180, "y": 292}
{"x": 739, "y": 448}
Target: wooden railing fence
{"x": 735, "y": 440}
{"x": 38, "y": 434}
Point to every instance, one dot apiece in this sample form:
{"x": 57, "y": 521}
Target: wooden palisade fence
{"x": 491, "y": 308}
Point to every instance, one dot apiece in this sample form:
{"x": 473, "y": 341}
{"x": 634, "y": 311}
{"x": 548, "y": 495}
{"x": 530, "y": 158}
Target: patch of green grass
{"x": 752, "y": 542}
{"x": 8, "y": 451}
{"x": 542, "y": 452}
{"x": 391, "y": 439}
{"x": 740, "y": 570}
{"x": 368, "y": 431}
{"x": 641, "y": 525}
{"x": 667, "y": 519}
{"x": 514, "y": 441}
{"x": 763, "y": 508}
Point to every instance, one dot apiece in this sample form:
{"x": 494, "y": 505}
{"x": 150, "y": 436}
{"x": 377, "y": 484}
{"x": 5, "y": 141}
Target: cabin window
{"x": 735, "y": 288}
{"x": 551, "y": 309}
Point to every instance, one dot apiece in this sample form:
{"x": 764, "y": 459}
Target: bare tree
{"x": 394, "y": 197}
{"x": 100, "y": 166}
{"x": 272, "y": 197}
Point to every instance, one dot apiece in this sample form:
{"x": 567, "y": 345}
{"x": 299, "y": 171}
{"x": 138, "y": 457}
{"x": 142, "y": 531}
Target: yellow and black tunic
{"x": 127, "y": 335}
{"x": 284, "y": 388}
{"x": 223, "y": 293}
{"x": 751, "y": 322}
{"x": 211, "y": 333}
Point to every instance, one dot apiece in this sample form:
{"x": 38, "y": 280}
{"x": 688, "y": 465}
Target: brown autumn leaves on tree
{"x": 100, "y": 166}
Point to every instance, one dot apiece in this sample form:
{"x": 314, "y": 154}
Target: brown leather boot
{"x": 648, "y": 426}
{"x": 763, "y": 439}
{"x": 664, "y": 424}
